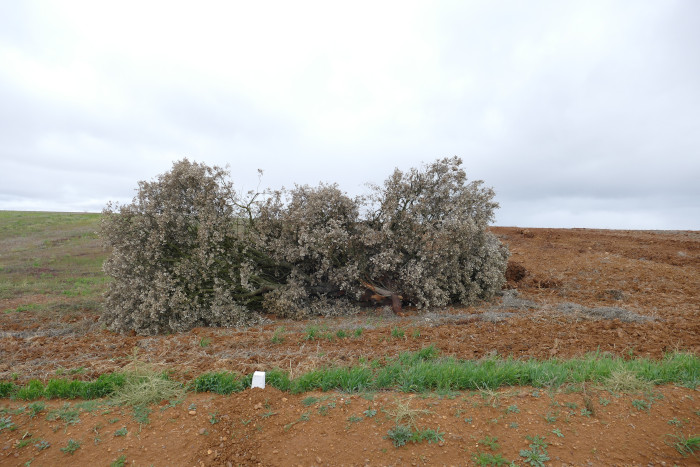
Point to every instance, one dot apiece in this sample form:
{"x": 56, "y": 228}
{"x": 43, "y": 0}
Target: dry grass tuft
{"x": 145, "y": 386}
{"x": 403, "y": 414}
{"x": 626, "y": 381}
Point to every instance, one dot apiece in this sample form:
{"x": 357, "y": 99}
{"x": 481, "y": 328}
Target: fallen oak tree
{"x": 189, "y": 251}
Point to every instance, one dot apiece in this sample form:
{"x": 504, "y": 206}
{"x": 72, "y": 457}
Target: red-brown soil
{"x": 635, "y": 294}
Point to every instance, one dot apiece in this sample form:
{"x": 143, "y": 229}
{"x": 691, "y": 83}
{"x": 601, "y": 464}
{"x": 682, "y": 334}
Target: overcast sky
{"x": 577, "y": 113}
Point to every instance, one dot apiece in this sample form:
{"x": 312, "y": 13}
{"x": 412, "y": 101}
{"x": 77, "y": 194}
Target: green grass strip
{"x": 452, "y": 374}
{"x": 419, "y": 371}
{"x": 350, "y": 379}
{"x": 103, "y": 386}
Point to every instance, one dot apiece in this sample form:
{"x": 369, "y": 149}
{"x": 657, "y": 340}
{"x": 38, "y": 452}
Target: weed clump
{"x": 71, "y": 447}
{"x": 622, "y": 380}
{"x": 402, "y": 434}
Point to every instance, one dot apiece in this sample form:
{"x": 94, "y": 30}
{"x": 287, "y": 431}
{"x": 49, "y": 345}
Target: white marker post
{"x": 258, "y": 380}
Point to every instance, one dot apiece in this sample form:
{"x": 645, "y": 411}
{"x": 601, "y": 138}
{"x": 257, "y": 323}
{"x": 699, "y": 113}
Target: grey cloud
{"x": 578, "y": 114}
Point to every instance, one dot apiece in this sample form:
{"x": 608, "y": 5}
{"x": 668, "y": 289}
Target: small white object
{"x": 259, "y": 380}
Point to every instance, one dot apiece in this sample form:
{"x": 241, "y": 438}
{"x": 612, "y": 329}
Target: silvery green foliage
{"x": 175, "y": 254}
{"x": 312, "y": 231}
{"x": 423, "y": 235}
{"x": 426, "y": 237}
{"x": 189, "y": 252}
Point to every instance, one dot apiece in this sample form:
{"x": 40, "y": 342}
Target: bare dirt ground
{"x": 571, "y": 292}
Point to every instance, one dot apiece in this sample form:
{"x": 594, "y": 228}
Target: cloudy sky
{"x": 577, "y": 113}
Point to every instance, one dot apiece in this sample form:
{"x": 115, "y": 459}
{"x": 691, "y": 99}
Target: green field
{"x": 50, "y": 263}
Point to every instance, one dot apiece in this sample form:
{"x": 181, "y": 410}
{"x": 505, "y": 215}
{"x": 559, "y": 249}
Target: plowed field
{"x": 570, "y": 292}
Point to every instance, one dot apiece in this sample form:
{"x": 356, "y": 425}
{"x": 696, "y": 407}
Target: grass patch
{"x": 56, "y": 255}
{"x": 424, "y": 371}
{"x": 62, "y": 388}
{"x": 7, "y": 388}
{"x": 312, "y": 333}
{"x": 141, "y": 413}
{"x": 487, "y": 458}
{"x": 6, "y": 423}
{"x": 218, "y": 383}
{"x": 686, "y": 446}
{"x": 512, "y": 409}
{"x": 420, "y": 371}
{"x": 278, "y": 336}
{"x": 309, "y": 401}
{"x": 88, "y": 406}
{"x": 67, "y": 414}
{"x": 492, "y": 443}
{"x": 143, "y": 386}
{"x": 345, "y": 379}
{"x": 641, "y": 404}
{"x": 35, "y": 408}
{"x": 623, "y": 380}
